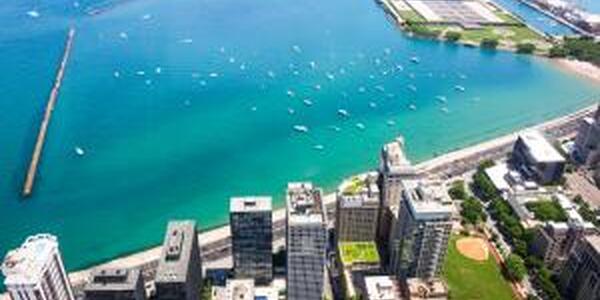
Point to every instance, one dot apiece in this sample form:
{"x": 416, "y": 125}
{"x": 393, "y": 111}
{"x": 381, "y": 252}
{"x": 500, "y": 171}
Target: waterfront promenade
{"x": 216, "y": 243}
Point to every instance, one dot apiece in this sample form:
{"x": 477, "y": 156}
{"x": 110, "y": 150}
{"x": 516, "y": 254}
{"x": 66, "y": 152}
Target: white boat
{"x": 387, "y": 51}
{"x": 330, "y": 76}
{"x": 158, "y": 70}
{"x": 296, "y": 49}
{"x": 243, "y": 67}
{"x": 301, "y": 128}
{"x": 222, "y": 49}
{"x": 271, "y": 74}
{"x": 203, "y": 82}
{"x": 342, "y": 71}
{"x": 317, "y": 87}
{"x": 318, "y": 147}
{"x": 148, "y": 81}
{"x": 415, "y": 59}
{"x": 335, "y": 128}
{"x": 360, "y": 126}
{"x": 312, "y": 64}
{"x": 391, "y": 123}
{"x": 307, "y": 102}
{"x": 186, "y": 41}
{"x": 377, "y": 61}
{"x": 123, "y": 35}
{"x": 343, "y": 113}
{"x": 290, "y": 93}
{"x": 372, "y": 104}
{"x": 79, "y": 151}
{"x": 213, "y": 75}
{"x": 232, "y": 60}
{"x": 254, "y": 108}
{"x": 291, "y": 111}
{"x": 140, "y": 73}
{"x": 412, "y": 87}
{"x": 116, "y": 74}
{"x": 33, "y": 14}
{"x": 459, "y": 88}
{"x": 442, "y": 99}
{"x": 399, "y": 68}
{"x": 380, "y": 88}
{"x": 412, "y": 107}
{"x": 147, "y": 17}
{"x": 362, "y": 89}
{"x": 445, "y": 110}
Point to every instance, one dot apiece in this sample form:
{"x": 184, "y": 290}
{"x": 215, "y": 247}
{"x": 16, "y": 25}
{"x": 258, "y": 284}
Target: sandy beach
{"x": 580, "y": 68}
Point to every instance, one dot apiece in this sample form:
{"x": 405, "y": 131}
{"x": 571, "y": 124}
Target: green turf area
{"x": 411, "y": 16}
{"x": 358, "y": 252}
{"x": 472, "y": 280}
{"x": 546, "y": 210}
{"x": 514, "y": 34}
{"x": 354, "y": 186}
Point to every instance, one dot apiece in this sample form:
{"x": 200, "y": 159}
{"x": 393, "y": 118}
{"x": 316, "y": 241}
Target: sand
{"x": 473, "y": 248}
{"x": 580, "y": 68}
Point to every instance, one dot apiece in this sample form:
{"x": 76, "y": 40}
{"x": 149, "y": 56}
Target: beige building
{"x": 418, "y": 289}
{"x": 357, "y": 209}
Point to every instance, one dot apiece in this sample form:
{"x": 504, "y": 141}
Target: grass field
{"x": 358, "y": 252}
{"x": 471, "y": 280}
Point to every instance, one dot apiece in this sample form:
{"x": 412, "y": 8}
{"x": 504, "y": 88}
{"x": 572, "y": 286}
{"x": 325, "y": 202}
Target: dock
{"x": 41, "y": 138}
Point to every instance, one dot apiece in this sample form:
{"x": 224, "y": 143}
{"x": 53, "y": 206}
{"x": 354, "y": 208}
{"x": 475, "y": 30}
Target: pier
{"x": 41, "y": 138}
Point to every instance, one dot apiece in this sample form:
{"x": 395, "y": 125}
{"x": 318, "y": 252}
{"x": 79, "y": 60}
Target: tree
{"x": 453, "y": 36}
{"x": 472, "y": 211}
{"x": 525, "y": 48}
{"x": 515, "y": 266}
{"x": 489, "y": 43}
{"x": 484, "y": 186}
{"x": 458, "y": 191}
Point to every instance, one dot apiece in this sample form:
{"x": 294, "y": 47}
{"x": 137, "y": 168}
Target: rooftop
{"x": 427, "y": 200}
{"x": 358, "y": 252}
{"x": 250, "y": 204}
{"x": 240, "y": 289}
{"x": 24, "y": 265}
{"x": 382, "y": 288}
{"x": 304, "y": 203}
{"x": 176, "y": 251}
{"x": 539, "y": 148}
{"x": 360, "y": 184}
{"x": 394, "y": 159}
{"x": 113, "y": 279}
{"x": 430, "y": 289}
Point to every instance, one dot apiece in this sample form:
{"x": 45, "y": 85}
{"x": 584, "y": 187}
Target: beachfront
{"x": 215, "y": 243}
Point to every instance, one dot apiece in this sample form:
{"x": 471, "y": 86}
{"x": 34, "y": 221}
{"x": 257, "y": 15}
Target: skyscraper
{"x": 357, "y": 209}
{"x": 394, "y": 167}
{"x": 179, "y": 272}
{"x": 306, "y": 242}
{"x": 580, "y": 278}
{"x": 35, "y": 271}
{"x": 421, "y": 238}
{"x": 252, "y": 238}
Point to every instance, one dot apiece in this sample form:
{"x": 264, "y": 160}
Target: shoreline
{"x": 578, "y": 68}
{"x": 147, "y": 259}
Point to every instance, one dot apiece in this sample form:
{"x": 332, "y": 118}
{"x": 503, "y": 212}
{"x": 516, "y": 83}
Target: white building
{"x": 382, "y": 288}
{"x": 420, "y": 239}
{"x": 536, "y": 158}
{"x": 35, "y": 271}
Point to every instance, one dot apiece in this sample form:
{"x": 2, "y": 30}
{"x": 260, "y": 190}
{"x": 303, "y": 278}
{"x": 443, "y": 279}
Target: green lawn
{"x": 471, "y": 280}
{"x": 546, "y": 210}
{"x": 411, "y": 16}
{"x": 358, "y": 252}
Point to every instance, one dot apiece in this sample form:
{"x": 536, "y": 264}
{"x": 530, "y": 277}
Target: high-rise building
{"x": 587, "y": 142}
{"x": 421, "y": 238}
{"x": 357, "y": 209}
{"x": 580, "y": 278}
{"x": 179, "y": 272}
{"x": 252, "y": 238}
{"x": 115, "y": 284}
{"x": 394, "y": 168}
{"x": 35, "y": 271}
{"x": 535, "y": 157}
{"x": 306, "y": 242}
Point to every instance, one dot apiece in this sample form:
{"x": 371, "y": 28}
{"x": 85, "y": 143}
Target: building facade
{"x": 394, "y": 167}
{"x": 35, "y": 271}
{"x": 420, "y": 240}
{"x": 587, "y": 142}
{"x": 252, "y": 238}
{"x": 179, "y": 272}
{"x": 535, "y": 157}
{"x": 306, "y": 242}
{"x": 580, "y": 278}
{"x": 115, "y": 284}
{"x": 357, "y": 209}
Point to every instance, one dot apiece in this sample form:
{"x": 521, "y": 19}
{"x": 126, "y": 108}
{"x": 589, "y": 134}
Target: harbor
{"x": 41, "y": 137}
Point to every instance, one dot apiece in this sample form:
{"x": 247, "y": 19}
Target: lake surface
{"x": 179, "y": 105}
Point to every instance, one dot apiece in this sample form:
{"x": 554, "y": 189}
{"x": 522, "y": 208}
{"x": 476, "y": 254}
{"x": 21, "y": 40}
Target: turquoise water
{"x": 535, "y": 18}
{"x": 178, "y": 143}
